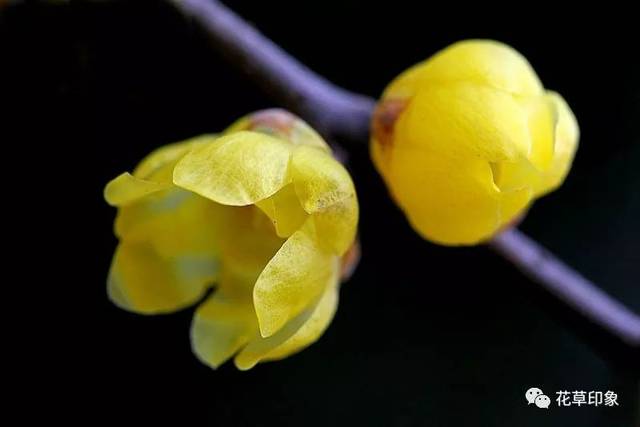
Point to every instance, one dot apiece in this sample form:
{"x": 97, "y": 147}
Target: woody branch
{"x": 342, "y": 114}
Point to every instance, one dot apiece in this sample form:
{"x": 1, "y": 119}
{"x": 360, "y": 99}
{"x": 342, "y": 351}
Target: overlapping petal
{"x": 166, "y": 258}
{"x": 158, "y": 165}
{"x": 467, "y": 139}
{"x": 541, "y": 118}
{"x": 263, "y": 213}
{"x": 126, "y": 189}
{"x": 154, "y": 173}
{"x": 293, "y": 278}
{"x": 144, "y": 281}
{"x": 284, "y": 209}
{"x": 298, "y": 333}
{"x": 441, "y": 202}
{"x": 567, "y": 134}
{"x": 483, "y": 62}
{"x": 280, "y": 124}
{"x": 238, "y": 169}
{"x": 327, "y": 193}
{"x": 224, "y": 323}
{"x": 464, "y": 120}
{"x": 168, "y": 253}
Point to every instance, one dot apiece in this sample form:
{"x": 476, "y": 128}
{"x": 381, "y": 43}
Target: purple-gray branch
{"x": 340, "y": 113}
{"x": 568, "y": 285}
{"x": 331, "y": 109}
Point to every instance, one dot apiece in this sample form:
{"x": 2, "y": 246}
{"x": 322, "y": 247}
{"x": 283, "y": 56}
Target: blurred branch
{"x": 341, "y": 113}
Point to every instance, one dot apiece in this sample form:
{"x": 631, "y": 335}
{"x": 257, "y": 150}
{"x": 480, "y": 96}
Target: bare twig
{"x": 331, "y": 109}
{"x": 341, "y": 113}
{"x": 568, "y": 285}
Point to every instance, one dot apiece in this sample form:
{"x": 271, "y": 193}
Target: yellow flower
{"x": 263, "y": 212}
{"x": 467, "y": 139}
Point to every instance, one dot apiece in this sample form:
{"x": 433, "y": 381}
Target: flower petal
{"x": 283, "y": 208}
{"x": 126, "y": 188}
{"x": 310, "y": 330}
{"x": 142, "y": 281}
{"x": 295, "y": 276}
{"x": 326, "y": 191}
{"x": 484, "y": 62}
{"x": 154, "y": 173}
{"x": 174, "y": 221}
{"x": 158, "y": 165}
{"x": 513, "y": 203}
{"x": 465, "y": 120}
{"x": 510, "y": 176}
{"x": 237, "y": 169}
{"x": 449, "y": 201}
{"x": 248, "y": 241}
{"x": 281, "y": 124}
{"x": 542, "y": 118}
{"x": 336, "y": 226}
{"x": 297, "y": 334}
{"x": 566, "y": 144}
{"x": 221, "y": 326}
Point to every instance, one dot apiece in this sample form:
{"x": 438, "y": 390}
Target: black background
{"x": 424, "y": 335}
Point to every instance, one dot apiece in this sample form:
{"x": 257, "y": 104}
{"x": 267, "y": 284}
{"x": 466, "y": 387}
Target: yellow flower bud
{"x": 467, "y": 139}
{"x": 262, "y": 212}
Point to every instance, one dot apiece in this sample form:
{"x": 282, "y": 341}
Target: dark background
{"x": 424, "y": 335}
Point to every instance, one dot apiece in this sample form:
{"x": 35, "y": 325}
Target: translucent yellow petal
{"x": 336, "y": 226}
{"x": 248, "y": 241}
{"x": 566, "y": 143}
{"x": 153, "y": 167}
{"x": 126, "y": 189}
{"x": 295, "y": 276}
{"x": 281, "y": 124}
{"x": 142, "y": 281}
{"x": 284, "y": 209}
{"x": 320, "y": 180}
{"x": 465, "y": 120}
{"x": 222, "y": 325}
{"x": 150, "y": 214}
{"x": 311, "y": 330}
{"x": 449, "y": 201}
{"x": 297, "y": 334}
{"x": 154, "y": 173}
{"x": 227, "y": 321}
{"x": 174, "y": 221}
{"x": 193, "y": 228}
{"x": 237, "y": 169}
{"x": 484, "y": 62}
{"x": 326, "y": 191}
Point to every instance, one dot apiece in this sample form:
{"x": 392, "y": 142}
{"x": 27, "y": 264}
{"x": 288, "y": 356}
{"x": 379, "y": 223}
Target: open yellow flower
{"x": 263, "y": 212}
{"x": 467, "y": 139}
